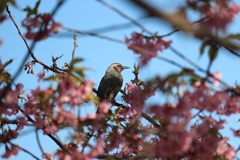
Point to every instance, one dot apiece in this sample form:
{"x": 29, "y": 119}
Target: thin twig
{"x": 88, "y": 139}
{"x": 92, "y": 34}
{"x": 125, "y": 16}
{"x": 197, "y": 67}
{"x": 149, "y": 119}
{"x": 232, "y": 51}
{"x": 31, "y": 47}
{"x": 186, "y": 59}
{"x": 105, "y": 29}
{"x": 175, "y": 20}
{"x": 178, "y": 29}
{"x": 28, "y": 47}
{"x": 144, "y": 115}
{"x": 170, "y": 61}
{"x": 49, "y": 135}
{"x": 26, "y": 151}
{"x": 39, "y": 145}
{"x": 144, "y": 51}
{"x": 144, "y": 29}
{"x": 74, "y": 46}
{"x": 56, "y": 8}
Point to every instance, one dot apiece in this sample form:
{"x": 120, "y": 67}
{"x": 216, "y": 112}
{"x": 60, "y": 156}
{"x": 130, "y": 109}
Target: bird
{"x": 110, "y": 83}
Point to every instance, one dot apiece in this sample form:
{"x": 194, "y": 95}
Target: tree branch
{"x": 125, "y": 16}
{"x": 49, "y": 135}
{"x": 26, "y": 151}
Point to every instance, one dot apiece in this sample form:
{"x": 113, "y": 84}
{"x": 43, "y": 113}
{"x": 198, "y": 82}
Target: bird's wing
{"x": 108, "y": 87}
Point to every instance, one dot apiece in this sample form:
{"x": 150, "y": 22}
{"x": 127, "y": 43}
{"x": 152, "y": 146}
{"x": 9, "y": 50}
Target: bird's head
{"x": 116, "y": 67}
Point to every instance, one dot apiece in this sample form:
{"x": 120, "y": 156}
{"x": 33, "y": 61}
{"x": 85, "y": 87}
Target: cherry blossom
{"x": 186, "y": 123}
{"x": 225, "y": 149}
{"x": 33, "y": 24}
{"x": 104, "y": 107}
{"x": 228, "y": 11}
{"x": 217, "y": 77}
{"x": 11, "y": 151}
{"x": 146, "y": 48}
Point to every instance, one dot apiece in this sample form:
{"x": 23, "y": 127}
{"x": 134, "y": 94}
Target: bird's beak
{"x": 125, "y": 67}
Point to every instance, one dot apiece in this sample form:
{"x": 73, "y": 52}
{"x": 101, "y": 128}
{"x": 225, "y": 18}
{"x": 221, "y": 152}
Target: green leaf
{"x": 212, "y": 53}
{"x": 5, "y": 77}
{"x": 80, "y": 71}
{"x": 77, "y": 60}
{"x": 4, "y": 3}
{"x": 203, "y": 46}
{"x": 233, "y": 36}
{"x": 50, "y": 78}
{"x": 5, "y": 65}
{"x": 32, "y": 11}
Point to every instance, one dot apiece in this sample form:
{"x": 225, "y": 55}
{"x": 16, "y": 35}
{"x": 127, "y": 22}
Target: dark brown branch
{"x": 232, "y": 51}
{"x": 175, "y": 20}
{"x": 31, "y": 47}
{"x": 144, "y": 115}
{"x": 86, "y": 142}
{"x": 149, "y": 119}
{"x": 26, "y": 44}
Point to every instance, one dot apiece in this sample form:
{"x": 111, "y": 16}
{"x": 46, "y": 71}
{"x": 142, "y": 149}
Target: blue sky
{"x": 99, "y": 54}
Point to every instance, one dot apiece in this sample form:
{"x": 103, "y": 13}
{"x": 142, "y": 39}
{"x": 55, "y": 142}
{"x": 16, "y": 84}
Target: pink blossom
{"x": 74, "y": 94}
{"x": 129, "y": 113}
{"x": 57, "y": 27}
{"x": 114, "y": 140}
{"x": 202, "y": 99}
{"x": 147, "y": 48}
{"x": 11, "y": 97}
{"x": 98, "y": 150}
{"x": 206, "y": 134}
{"x": 236, "y": 132}
{"x": 136, "y": 96}
{"x": 104, "y": 107}
{"x": 92, "y": 116}
{"x": 217, "y": 76}
{"x": 41, "y": 75}
{"x": 126, "y": 150}
{"x": 40, "y": 122}
{"x": 32, "y": 25}
{"x": 47, "y": 156}
{"x": 50, "y": 129}
{"x": 175, "y": 141}
{"x": 225, "y": 149}
{"x": 231, "y": 106}
{"x": 65, "y": 117}
{"x": 75, "y": 154}
{"x": 180, "y": 112}
{"x": 219, "y": 14}
{"x": 29, "y": 67}
{"x": 11, "y": 151}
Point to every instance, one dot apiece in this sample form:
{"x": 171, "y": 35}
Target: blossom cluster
{"x": 188, "y": 127}
{"x": 40, "y": 27}
{"x": 146, "y": 47}
{"x": 218, "y": 15}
